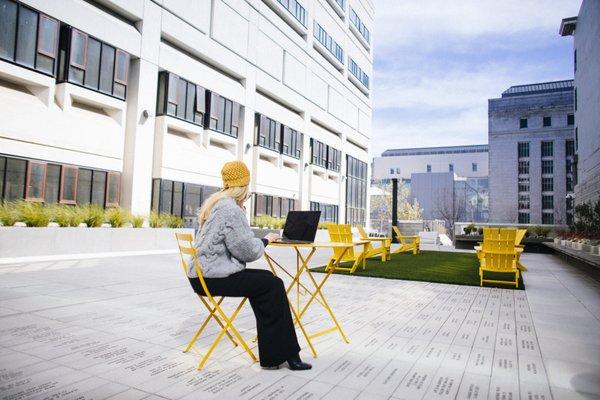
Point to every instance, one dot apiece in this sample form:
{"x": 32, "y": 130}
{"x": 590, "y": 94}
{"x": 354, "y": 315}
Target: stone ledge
{"x": 586, "y": 262}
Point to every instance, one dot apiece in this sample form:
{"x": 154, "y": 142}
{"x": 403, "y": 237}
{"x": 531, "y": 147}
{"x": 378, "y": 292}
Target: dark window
{"x": 548, "y": 218}
{"x": 329, "y": 212}
{"x": 113, "y": 188}
{"x": 107, "y": 65}
{"x": 181, "y": 99}
{"x": 450, "y": 167}
{"x": 547, "y": 184}
{"x": 26, "y": 38}
{"x": 474, "y": 167}
{"x": 166, "y": 196}
{"x": 99, "y": 188}
{"x": 192, "y": 198}
{"x": 547, "y": 149}
{"x": 177, "y": 198}
{"x": 36, "y": 176}
{"x": 523, "y": 149}
{"x": 224, "y": 115}
{"x": 523, "y": 218}
{"x": 523, "y": 123}
{"x": 569, "y": 185}
{"x": 524, "y": 201}
{"x": 14, "y": 186}
{"x": 523, "y": 167}
{"x": 547, "y": 202}
{"x": 570, "y": 148}
{"x": 570, "y": 119}
{"x": 47, "y": 44}
{"x": 547, "y": 166}
{"x": 96, "y": 65}
{"x": 356, "y": 191}
{"x": 8, "y": 29}
{"x": 428, "y": 167}
{"x": 84, "y": 186}
{"x": 269, "y": 133}
{"x": 291, "y": 142}
{"x": 333, "y": 159}
{"x": 92, "y": 73}
{"x": 52, "y": 189}
{"x": 523, "y": 184}
{"x": 2, "y": 163}
{"x": 68, "y": 185}
{"x": 547, "y": 121}
{"x": 575, "y": 99}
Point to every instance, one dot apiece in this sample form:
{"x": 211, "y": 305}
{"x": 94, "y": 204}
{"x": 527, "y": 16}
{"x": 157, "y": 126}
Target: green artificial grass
{"x": 430, "y": 266}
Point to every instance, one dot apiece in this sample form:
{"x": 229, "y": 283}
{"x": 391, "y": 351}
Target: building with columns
{"x": 139, "y": 103}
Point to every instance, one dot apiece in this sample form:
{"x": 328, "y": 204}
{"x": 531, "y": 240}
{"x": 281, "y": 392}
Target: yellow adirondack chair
{"x": 488, "y": 234}
{"x": 383, "y": 248}
{"x": 520, "y": 235}
{"x": 342, "y": 233}
{"x": 407, "y": 243}
{"x": 499, "y": 261}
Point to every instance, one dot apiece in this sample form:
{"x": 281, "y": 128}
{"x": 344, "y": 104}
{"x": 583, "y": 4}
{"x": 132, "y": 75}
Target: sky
{"x": 437, "y": 62}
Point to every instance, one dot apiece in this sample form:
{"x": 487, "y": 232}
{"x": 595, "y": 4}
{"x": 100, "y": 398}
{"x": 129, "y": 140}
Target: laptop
{"x": 300, "y": 227}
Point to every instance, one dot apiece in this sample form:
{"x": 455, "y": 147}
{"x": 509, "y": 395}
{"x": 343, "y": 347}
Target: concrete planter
{"x": 557, "y": 241}
{"x": 576, "y": 245}
{"x": 586, "y": 247}
{"x": 28, "y": 242}
{"x": 595, "y": 250}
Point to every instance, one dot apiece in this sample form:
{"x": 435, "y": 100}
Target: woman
{"x": 224, "y": 245}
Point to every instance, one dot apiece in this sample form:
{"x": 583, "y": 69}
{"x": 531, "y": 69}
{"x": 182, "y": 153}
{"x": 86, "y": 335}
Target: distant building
{"x": 437, "y": 175}
{"x": 468, "y": 161}
{"x": 585, "y": 28}
{"x": 531, "y": 141}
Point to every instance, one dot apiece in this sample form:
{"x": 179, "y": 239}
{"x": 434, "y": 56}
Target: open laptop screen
{"x": 301, "y": 225}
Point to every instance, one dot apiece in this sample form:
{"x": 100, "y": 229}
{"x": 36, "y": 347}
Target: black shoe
{"x": 298, "y": 365}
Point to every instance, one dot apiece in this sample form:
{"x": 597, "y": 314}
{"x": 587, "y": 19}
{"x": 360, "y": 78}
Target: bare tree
{"x": 381, "y": 205}
{"x": 450, "y": 207}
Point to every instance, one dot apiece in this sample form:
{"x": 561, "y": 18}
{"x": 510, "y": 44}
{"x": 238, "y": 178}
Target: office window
{"x": 547, "y": 121}
{"x": 96, "y": 65}
{"x": 224, "y": 115}
{"x": 569, "y": 148}
{"x": 27, "y": 37}
{"x": 398, "y": 171}
{"x": 2, "y": 167}
{"x": 356, "y": 190}
{"x": 358, "y": 73}
{"x": 450, "y": 167}
{"x": 547, "y": 167}
{"x": 181, "y": 99}
{"x": 107, "y": 68}
{"x": 524, "y": 201}
{"x": 523, "y": 218}
{"x": 328, "y": 42}
{"x": 547, "y": 149}
{"x": 523, "y": 123}
{"x": 318, "y": 153}
{"x": 99, "y": 188}
{"x": 428, "y": 167}
{"x": 291, "y": 142}
{"x": 391, "y": 171}
{"x": 547, "y": 184}
{"x": 523, "y": 184}
{"x": 359, "y": 25}
{"x": 52, "y": 183}
{"x": 268, "y": 133}
{"x": 333, "y": 159}
{"x": 570, "y": 119}
{"x": 84, "y": 186}
{"x": 548, "y": 218}
{"x": 575, "y": 99}
{"x": 295, "y": 9}
{"x": 523, "y": 167}
{"x": 523, "y": 148}
{"x": 177, "y": 199}
{"x": 15, "y": 175}
{"x": 329, "y": 212}
{"x": 68, "y": 185}
{"x": 569, "y": 183}
{"x": 474, "y": 167}
{"x": 547, "y": 202}
{"x": 36, "y": 175}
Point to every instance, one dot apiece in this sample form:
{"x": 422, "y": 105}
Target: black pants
{"x": 277, "y": 340}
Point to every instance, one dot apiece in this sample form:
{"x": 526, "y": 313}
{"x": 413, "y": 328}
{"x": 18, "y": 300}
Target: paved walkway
{"x": 114, "y": 328}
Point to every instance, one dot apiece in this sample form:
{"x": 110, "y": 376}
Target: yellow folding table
{"x": 316, "y": 293}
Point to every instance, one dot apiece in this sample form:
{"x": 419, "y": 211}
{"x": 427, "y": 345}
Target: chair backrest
{"x": 185, "y": 242}
{"x": 362, "y": 232}
{"x": 490, "y": 233}
{"x": 520, "y": 235}
{"x": 403, "y": 239}
{"x": 341, "y": 233}
{"x": 500, "y": 261}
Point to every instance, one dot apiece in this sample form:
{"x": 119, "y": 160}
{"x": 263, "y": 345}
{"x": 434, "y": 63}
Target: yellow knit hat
{"x": 235, "y": 173}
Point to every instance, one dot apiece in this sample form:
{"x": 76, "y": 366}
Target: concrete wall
{"x": 587, "y": 115}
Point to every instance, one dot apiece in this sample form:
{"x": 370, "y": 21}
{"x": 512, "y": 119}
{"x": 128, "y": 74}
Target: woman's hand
{"x": 272, "y": 237}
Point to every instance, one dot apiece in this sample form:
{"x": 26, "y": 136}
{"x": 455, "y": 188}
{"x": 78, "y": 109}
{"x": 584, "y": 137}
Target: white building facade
{"x": 139, "y": 103}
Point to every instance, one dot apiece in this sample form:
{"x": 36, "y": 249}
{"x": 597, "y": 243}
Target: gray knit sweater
{"x": 225, "y": 242}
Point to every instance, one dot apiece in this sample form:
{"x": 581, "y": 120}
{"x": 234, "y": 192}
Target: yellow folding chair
{"x": 213, "y": 305}
{"x": 383, "y": 249}
{"x": 342, "y": 233}
{"x": 499, "y": 261}
{"x": 407, "y": 243}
